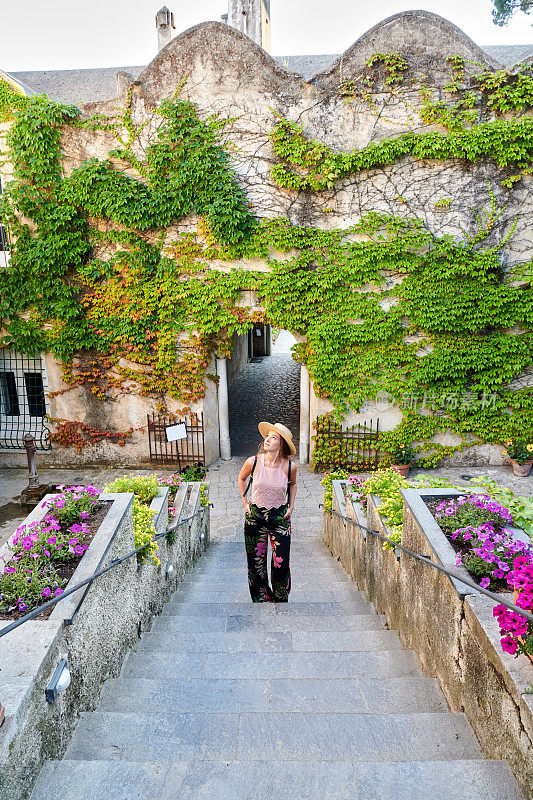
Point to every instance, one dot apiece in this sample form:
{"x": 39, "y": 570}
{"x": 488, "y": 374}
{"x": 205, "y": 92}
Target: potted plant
{"x": 402, "y": 457}
{"x": 521, "y": 455}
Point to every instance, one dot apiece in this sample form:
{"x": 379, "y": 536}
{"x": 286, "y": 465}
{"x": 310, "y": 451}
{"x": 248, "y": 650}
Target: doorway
{"x": 267, "y": 387}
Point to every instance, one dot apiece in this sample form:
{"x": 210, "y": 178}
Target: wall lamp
{"x": 59, "y": 683}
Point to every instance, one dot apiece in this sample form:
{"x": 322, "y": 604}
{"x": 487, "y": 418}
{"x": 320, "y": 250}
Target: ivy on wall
{"x": 96, "y": 279}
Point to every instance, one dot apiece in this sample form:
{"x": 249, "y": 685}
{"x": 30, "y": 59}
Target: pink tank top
{"x": 269, "y": 485}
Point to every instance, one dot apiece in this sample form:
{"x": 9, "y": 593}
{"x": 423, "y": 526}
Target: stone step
{"x": 241, "y": 594}
{"x": 256, "y": 610}
{"x": 272, "y": 737}
{"x": 265, "y": 641}
{"x": 316, "y": 579}
{"x": 237, "y": 780}
{"x": 282, "y": 623}
{"x": 377, "y": 664}
{"x": 384, "y": 696}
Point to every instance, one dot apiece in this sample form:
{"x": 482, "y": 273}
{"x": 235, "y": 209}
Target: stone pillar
{"x": 164, "y": 22}
{"x": 304, "y": 415}
{"x": 251, "y": 17}
{"x": 223, "y": 410}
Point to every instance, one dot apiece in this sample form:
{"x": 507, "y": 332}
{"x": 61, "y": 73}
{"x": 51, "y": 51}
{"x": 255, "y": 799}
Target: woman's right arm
{"x": 244, "y": 474}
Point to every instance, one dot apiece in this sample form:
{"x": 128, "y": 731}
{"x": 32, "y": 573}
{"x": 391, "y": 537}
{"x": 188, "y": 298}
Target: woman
{"x": 273, "y": 477}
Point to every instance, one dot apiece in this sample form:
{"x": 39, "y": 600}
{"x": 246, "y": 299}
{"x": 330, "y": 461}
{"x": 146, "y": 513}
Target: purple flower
{"x": 47, "y": 592}
{"x": 484, "y": 582}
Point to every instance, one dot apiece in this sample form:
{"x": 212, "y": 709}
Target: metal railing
{"x": 98, "y": 572}
{"x": 427, "y": 560}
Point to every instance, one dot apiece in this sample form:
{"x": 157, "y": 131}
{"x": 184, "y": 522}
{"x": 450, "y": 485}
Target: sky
{"x": 69, "y": 34}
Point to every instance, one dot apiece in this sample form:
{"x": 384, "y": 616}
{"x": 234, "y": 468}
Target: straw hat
{"x": 266, "y": 427}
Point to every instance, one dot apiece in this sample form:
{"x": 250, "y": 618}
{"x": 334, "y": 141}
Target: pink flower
{"x": 484, "y": 582}
{"x": 79, "y": 550}
{"x": 47, "y": 592}
{"x": 84, "y": 515}
{"x": 58, "y": 592}
{"x": 509, "y": 644}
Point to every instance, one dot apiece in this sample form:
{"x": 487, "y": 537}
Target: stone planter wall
{"x": 116, "y": 608}
{"x": 449, "y": 626}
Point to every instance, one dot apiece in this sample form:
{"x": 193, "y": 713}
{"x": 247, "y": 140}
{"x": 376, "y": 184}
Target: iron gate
{"x": 183, "y": 452}
{"x": 22, "y": 401}
{"x": 355, "y": 448}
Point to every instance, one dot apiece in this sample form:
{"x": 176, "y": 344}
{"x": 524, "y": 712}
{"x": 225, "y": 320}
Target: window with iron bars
{"x": 22, "y": 401}
{"x": 4, "y": 240}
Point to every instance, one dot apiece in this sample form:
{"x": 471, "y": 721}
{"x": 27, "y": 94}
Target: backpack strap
{"x": 251, "y": 476}
{"x": 289, "y": 483}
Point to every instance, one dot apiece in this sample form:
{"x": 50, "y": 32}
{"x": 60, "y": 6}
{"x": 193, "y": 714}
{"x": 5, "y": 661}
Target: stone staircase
{"x": 312, "y": 700}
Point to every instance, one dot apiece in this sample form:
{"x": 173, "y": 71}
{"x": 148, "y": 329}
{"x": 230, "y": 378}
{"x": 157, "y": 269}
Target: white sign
{"x": 175, "y": 432}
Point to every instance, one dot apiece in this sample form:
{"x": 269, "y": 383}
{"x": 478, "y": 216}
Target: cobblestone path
{"x": 310, "y": 700}
{"x": 269, "y": 390}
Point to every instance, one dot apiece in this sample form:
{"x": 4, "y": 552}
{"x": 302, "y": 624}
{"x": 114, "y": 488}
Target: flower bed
{"x": 451, "y": 628}
{"x": 43, "y": 555}
{"x": 104, "y": 620}
{"x": 478, "y": 529}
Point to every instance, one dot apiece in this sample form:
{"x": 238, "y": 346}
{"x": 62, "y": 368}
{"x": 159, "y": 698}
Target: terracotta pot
{"x": 402, "y": 469}
{"x": 522, "y": 470}
{"x": 520, "y": 638}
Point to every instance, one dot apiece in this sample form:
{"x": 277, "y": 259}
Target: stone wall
{"x": 116, "y": 609}
{"x": 449, "y": 626}
{"x": 226, "y": 73}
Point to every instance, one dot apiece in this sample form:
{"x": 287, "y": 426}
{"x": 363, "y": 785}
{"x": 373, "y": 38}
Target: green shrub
{"x": 144, "y": 487}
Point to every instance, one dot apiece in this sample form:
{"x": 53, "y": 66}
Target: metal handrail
{"x": 114, "y": 563}
{"x": 427, "y": 560}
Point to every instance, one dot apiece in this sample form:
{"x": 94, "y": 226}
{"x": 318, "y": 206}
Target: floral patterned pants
{"x": 259, "y": 525}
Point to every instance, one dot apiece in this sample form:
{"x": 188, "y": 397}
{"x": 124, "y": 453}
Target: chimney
{"x": 164, "y": 22}
{"x": 251, "y": 17}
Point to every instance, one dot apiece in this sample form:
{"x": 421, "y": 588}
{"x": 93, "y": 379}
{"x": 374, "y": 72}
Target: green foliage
{"x": 11, "y": 99}
{"x": 504, "y": 9}
{"x": 402, "y": 454}
{"x": 204, "y": 495}
{"x": 94, "y": 280}
{"x": 194, "y": 472}
{"x": 144, "y": 532}
{"x": 144, "y": 487}
{"x": 392, "y": 67}
{"x": 308, "y": 165}
{"x": 521, "y": 508}
{"x": 520, "y": 450}
{"x": 26, "y": 583}
{"x": 387, "y": 485}
{"x": 327, "y": 483}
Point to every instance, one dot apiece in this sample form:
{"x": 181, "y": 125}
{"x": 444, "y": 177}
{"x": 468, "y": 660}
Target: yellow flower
{"x": 504, "y": 452}
{"x": 529, "y": 448}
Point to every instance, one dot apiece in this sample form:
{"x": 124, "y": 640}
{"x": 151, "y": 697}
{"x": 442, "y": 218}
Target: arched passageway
{"x": 266, "y": 388}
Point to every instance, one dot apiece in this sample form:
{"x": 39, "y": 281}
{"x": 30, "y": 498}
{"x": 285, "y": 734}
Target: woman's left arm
{"x": 292, "y": 492}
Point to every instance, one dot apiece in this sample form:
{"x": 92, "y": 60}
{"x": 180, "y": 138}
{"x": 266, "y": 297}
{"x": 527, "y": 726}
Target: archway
{"x": 262, "y": 387}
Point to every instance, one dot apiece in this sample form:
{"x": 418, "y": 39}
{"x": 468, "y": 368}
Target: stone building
{"x": 226, "y": 69}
